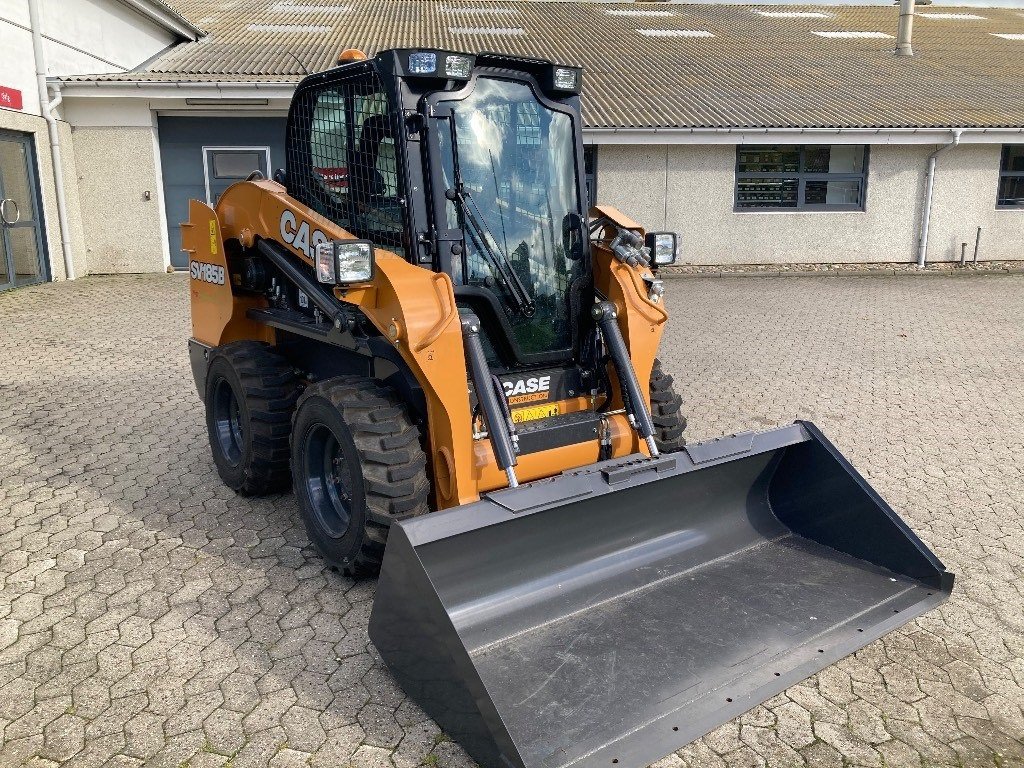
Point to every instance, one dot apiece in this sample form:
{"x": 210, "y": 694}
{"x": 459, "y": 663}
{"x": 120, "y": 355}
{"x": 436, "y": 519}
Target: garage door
{"x": 203, "y": 156}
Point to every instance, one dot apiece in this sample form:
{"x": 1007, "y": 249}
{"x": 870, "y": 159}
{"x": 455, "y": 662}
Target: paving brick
{"x": 149, "y": 616}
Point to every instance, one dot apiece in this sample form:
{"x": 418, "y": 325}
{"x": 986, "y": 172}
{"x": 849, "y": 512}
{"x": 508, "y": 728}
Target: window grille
{"x": 342, "y": 160}
{"x": 814, "y": 177}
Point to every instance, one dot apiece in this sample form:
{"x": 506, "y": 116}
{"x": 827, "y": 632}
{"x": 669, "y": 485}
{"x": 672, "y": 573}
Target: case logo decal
{"x": 527, "y": 390}
{"x": 299, "y": 236}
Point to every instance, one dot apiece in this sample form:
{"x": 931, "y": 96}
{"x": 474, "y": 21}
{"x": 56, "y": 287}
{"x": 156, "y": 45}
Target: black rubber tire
{"x": 666, "y": 411}
{"x": 252, "y": 459}
{"x": 379, "y": 469}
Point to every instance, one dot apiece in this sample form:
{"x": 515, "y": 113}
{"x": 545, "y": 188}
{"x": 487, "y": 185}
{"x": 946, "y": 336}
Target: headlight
{"x": 663, "y": 247}
{"x": 457, "y": 66}
{"x": 326, "y": 265}
{"x": 566, "y": 79}
{"x": 440, "y": 64}
{"x": 422, "y": 63}
{"x": 341, "y": 263}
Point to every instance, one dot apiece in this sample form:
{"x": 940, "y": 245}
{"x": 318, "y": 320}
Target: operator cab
{"x": 469, "y": 165}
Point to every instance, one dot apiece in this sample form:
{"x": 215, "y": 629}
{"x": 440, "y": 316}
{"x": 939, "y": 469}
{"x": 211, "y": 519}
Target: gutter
{"x": 46, "y": 107}
{"x": 926, "y": 215}
{"x": 797, "y": 135}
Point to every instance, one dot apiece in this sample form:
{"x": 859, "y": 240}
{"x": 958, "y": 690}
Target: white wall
{"x": 689, "y": 189}
{"x": 79, "y": 37}
{"x": 966, "y": 181}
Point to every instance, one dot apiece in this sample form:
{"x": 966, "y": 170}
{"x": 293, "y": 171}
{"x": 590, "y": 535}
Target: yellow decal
{"x": 213, "y": 237}
{"x": 519, "y": 415}
{"x": 531, "y": 398}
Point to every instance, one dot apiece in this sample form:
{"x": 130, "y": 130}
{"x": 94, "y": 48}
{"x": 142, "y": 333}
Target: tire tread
{"x": 666, "y": 411}
{"x": 392, "y": 461}
{"x": 271, "y": 389}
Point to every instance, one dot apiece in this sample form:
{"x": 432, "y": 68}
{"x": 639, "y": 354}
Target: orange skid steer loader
{"x": 421, "y": 328}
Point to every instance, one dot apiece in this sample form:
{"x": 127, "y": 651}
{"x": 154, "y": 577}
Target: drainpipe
{"x": 922, "y": 241}
{"x": 906, "y": 28}
{"x": 46, "y": 107}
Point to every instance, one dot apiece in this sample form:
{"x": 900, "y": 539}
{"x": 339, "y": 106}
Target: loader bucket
{"x": 610, "y": 615}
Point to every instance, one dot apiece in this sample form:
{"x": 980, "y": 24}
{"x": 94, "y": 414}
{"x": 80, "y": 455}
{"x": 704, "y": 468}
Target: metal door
{"x": 21, "y": 237}
{"x": 223, "y": 166}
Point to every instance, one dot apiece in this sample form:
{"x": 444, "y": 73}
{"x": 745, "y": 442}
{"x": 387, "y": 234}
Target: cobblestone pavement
{"x": 150, "y": 616}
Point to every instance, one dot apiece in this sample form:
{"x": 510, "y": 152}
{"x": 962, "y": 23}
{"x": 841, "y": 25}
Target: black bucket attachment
{"x": 610, "y": 615}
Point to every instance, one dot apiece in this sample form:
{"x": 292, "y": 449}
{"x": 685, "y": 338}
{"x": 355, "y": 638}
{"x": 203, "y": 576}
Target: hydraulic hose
{"x": 497, "y": 429}
{"x": 632, "y": 398}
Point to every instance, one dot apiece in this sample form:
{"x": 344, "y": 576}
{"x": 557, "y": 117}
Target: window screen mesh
{"x": 342, "y": 160}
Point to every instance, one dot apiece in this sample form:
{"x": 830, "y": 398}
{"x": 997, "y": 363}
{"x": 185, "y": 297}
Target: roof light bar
{"x": 443, "y": 64}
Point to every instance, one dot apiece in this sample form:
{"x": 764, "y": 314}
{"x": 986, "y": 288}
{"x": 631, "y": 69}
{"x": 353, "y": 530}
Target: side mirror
{"x": 574, "y": 235}
{"x": 663, "y": 248}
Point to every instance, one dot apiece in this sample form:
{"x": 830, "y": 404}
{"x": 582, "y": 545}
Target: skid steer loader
{"x": 422, "y": 328}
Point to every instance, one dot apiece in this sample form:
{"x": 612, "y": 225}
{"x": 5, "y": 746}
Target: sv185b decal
{"x": 299, "y": 236}
{"x": 208, "y": 273}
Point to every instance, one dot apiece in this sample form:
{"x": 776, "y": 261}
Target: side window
{"x": 343, "y": 162}
{"x": 328, "y": 145}
{"x": 373, "y": 174}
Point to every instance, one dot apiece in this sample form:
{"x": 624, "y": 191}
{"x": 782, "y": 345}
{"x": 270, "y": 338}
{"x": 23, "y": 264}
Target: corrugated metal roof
{"x": 755, "y": 70}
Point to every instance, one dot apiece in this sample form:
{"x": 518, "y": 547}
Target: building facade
{"x": 44, "y": 232}
{"x": 759, "y": 136}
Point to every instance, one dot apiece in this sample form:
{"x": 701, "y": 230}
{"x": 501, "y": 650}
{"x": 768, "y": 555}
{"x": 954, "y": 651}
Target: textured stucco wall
{"x": 689, "y": 189}
{"x": 966, "y": 181}
{"x": 116, "y": 167}
{"x": 36, "y": 127}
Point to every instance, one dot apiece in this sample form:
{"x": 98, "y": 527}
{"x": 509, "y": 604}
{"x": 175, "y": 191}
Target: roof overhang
{"x": 229, "y": 90}
{"x": 797, "y": 135}
{"x": 162, "y": 15}
{"x": 233, "y": 94}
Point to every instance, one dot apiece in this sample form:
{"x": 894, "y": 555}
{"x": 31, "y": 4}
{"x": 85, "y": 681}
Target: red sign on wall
{"x": 10, "y": 98}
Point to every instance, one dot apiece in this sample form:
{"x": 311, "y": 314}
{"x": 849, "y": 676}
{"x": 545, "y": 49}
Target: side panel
{"x": 218, "y": 316}
{"x": 411, "y": 306}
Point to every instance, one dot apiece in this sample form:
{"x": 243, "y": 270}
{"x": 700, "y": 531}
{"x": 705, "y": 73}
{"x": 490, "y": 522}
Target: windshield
{"x": 516, "y": 164}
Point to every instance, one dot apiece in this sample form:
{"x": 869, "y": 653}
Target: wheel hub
{"x": 328, "y": 481}
{"x": 227, "y": 420}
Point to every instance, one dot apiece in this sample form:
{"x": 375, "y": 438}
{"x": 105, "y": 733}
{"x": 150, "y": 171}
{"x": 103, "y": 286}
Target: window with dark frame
{"x": 1011, "y": 177}
{"x": 813, "y": 177}
{"x": 590, "y": 170}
